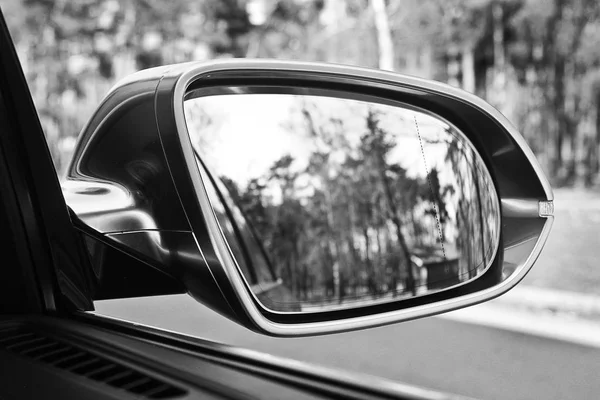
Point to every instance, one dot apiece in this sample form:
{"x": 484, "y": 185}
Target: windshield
{"x": 536, "y": 61}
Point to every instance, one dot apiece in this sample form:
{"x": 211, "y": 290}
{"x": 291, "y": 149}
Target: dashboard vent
{"x": 84, "y": 363}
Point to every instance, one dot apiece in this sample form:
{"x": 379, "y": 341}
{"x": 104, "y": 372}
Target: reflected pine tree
{"x": 350, "y": 217}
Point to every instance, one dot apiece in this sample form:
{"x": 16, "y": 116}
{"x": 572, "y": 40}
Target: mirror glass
{"x": 328, "y": 200}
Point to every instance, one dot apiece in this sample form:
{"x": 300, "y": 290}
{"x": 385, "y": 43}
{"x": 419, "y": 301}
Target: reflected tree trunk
{"x": 294, "y": 280}
{"x": 416, "y": 229}
{"x": 290, "y": 272}
{"x": 381, "y": 166}
{"x": 354, "y": 262}
{"x": 354, "y": 274}
{"x": 370, "y": 270}
{"x": 397, "y": 224}
{"x": 464, "y": 225}
{"x": 333, "y": 237}
{"x": 378, "y": 238}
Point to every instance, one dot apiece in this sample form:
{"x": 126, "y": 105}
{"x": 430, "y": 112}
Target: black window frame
{"x": 50, "y": 252}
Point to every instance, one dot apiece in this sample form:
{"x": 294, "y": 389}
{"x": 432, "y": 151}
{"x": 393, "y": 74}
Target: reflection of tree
{"x": 376, "y": 144}
{"x": 475, "y": 176}
{"x": 347, "y": 219}
{"x": 437, "y": 195}
{"x": 288, "y": 222}
{"x": 346, "y": 236}
{"x": 472, "y": 234}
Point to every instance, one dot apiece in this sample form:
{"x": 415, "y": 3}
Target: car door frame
{"x": 57, "y": 262}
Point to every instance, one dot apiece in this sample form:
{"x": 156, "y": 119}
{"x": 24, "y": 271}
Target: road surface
{"x": 436, "y": 353}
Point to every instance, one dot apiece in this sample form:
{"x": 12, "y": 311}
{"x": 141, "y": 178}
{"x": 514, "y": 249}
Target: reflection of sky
{"x": 248, "y": 133}
{"x": 245, "y": 134}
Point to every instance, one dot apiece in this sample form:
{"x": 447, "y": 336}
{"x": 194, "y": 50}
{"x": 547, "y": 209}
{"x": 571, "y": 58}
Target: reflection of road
{"x": 436, "y": 353}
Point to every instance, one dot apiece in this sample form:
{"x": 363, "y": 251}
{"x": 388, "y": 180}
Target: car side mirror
{"x": 301, "y": 199}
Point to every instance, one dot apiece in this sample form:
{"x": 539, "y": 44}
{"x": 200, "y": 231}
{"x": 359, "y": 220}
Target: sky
{"x": 248, "y": 133}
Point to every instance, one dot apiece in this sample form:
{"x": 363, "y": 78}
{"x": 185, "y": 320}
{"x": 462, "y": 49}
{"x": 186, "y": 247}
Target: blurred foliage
{"x": 538, "y": 61}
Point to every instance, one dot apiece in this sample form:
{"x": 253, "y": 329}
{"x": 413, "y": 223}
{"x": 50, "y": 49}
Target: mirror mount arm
{"x": 527, "y": 208}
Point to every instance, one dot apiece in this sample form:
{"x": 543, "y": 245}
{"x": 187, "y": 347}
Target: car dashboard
{"x": 43, "y": 356}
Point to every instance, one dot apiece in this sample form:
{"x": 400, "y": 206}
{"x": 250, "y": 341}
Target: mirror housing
{"x": 135, "y": 185}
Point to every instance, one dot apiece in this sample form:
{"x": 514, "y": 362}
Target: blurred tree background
{"x": 537, "y": 61}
